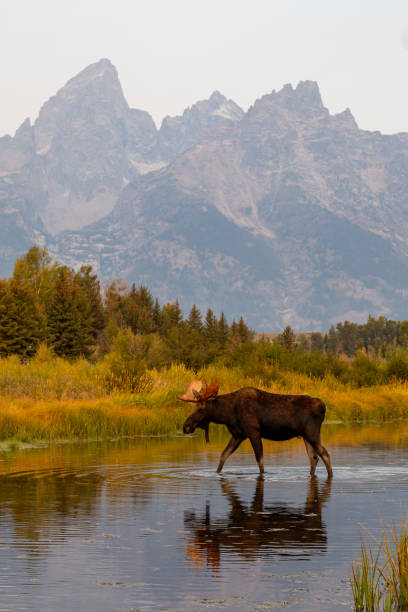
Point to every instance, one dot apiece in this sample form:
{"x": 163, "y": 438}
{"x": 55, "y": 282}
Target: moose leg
{"x": 313, "y": 457}
{"x": 228, "y": 450}
{"x": 256, "y": 442}
{"x": 323, "y": 453}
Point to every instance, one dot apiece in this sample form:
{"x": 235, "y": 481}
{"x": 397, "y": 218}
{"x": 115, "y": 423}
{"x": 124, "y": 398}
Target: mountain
{"x": 206, "y": 119}
{"x": 89, "y": 140}
{"x": 285, "y": 214}
{"x": 87, "y": 144}
{"x": 21, "y": 176}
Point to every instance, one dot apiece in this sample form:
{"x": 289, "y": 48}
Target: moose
{"x": 256, "y": 414}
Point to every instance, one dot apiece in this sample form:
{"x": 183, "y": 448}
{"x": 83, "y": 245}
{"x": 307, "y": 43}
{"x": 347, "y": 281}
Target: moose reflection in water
{"x": 247, "y": 531}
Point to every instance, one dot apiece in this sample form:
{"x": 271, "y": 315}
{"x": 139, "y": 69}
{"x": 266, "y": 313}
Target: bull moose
{"x": 256, "y": 414}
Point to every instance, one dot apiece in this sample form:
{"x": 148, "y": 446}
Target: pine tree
{"x": 171, "y": 330}
{"x": 210, "y": 328}
{"x": 20, "y": 325}
{"x": 223, "y": 331}
{"x": 243, "y": 331}
{"x": 89, "y": 286}
{"x": 115, "y": 302}
{"x": 403, "y": 334}
{"x": 316, "y": 341}
{"x": 194, "y": 320}
{"x": 138, "y": 310}
{"x": 332, "y": 341}
{"x": 9, "y": 328}
{"x": 302, "y": 343}
{"x": 69, "y": 331}
{"x": 189, "y": 345}
{"x": 347, "y": 334}
{"x": 210, "y": 337}
{"x": 171, "y": 317}
{"x": 234, "y": 339}
{"x": 287, "y": 338}
{"x": 157, "y": 315}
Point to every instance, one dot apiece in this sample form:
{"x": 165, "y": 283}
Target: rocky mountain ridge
{"x": 285, "y": 213}
{"x": 87, "y": 144}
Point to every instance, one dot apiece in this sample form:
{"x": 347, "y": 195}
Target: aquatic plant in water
{"x": 379, "y": 580}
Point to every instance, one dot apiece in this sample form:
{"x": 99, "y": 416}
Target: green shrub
{"x": 365, "y": 372}
{"x": 124, "y": 369}
{"x": 397, "y": 366}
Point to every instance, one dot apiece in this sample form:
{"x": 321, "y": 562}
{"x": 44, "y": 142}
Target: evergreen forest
{"x": 46, "y": 304}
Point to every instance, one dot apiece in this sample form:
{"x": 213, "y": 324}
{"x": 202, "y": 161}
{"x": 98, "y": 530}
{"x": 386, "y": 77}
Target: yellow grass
{"x": 25, "y": 419}
{"x": 51, "y": 399}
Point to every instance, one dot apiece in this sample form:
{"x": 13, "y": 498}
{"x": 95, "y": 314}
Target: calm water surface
{"x": 147, "y": 524}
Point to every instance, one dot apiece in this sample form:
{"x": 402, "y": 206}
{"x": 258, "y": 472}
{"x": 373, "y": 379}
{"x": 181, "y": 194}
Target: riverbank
{"x": 59, "y": 400}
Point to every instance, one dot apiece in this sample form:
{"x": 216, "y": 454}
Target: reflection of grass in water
{"x": 376, "y": 435}
{"x": 146, "y": 450}
{"x": 379, "y": 580}
{"x": 143, "y": 451}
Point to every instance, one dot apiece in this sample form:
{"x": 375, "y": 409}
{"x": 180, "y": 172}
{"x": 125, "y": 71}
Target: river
{"x": 147, "y": 524}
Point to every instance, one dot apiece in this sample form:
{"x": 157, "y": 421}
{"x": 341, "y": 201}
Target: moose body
{"x": 255, "y": 414}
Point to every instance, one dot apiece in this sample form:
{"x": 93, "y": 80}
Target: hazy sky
{"x": 171, "y": 53}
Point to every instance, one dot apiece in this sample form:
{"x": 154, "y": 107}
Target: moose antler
{"x": 193, "y": 393}
{"x": 211, "y": 390}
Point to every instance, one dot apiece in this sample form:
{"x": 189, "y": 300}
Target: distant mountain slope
{"x": 285, "y": 214}
{"x": 307, "y": 268}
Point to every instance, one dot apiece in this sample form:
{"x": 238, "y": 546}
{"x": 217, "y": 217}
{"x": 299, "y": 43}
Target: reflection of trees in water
{"x": 49, "y": 495}
{"x": 55, "y": 505}
{"x": 247, "y": 531}
{"x": 47, "y": 506}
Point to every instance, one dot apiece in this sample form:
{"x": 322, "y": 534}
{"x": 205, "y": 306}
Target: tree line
{"x": 375, "y": 338}
{"x": 46, "y": 302}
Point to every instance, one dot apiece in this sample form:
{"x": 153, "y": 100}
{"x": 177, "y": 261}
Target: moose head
{"x": 195, "y": 394}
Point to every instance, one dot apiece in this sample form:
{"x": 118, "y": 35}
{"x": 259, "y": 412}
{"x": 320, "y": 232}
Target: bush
{"x": 397, "y": 366}
{"x": 124, "y": 369}
{"x": 365, "y": 372}
{"x": 44, "y": 353}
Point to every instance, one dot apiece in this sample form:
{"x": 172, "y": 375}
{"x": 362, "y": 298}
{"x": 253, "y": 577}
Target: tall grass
{"x": 47, "y": 377}
{"x": 366, "y": 581}
{"x": 51, "y": 398}
{"x": 379, "y": 580}
{"x": 344, "y": 403}
{"x": 28, "y": 419}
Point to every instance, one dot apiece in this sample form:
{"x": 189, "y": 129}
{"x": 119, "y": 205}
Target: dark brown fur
{"x": 255, "y": 414}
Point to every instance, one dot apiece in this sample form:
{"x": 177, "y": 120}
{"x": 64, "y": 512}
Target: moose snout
{"x": 189, "y": 426}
